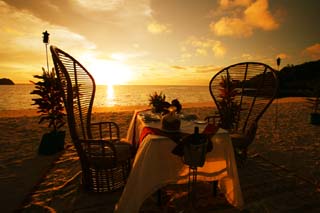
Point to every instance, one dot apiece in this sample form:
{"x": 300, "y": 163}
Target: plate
{"x": 200, "y": 122}
{"x": 147, "y": 117}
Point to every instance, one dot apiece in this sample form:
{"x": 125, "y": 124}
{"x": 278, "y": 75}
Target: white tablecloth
{"x": 155, "y": 166}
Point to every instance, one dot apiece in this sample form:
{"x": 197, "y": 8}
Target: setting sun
{"x": 107, "y": 72}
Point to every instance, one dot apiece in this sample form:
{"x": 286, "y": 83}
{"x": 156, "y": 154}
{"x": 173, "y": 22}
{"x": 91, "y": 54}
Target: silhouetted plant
{"x": 158, "y": 102}
{"x": 228, "y": 107}
{"x": 50, "y": 102}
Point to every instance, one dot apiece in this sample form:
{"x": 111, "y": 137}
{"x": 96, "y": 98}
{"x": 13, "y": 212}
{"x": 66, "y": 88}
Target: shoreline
{"x": 105, "y": 109}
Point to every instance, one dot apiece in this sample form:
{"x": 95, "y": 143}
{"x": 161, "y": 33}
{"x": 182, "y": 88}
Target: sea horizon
{"x": 18, "y": 97}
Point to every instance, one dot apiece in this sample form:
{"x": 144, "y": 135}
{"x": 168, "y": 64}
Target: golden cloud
{"x": 178, "y": 67}
{"x": 206, "y": 69}
{"x": 247, "y": 56}
{"x": 157, "y": 28}
{"x": 202, "y": 46}
{"x": 248, "y": 16}
{"x": 202, "y": 51}
{"x": 218, "y": 49}
{"x": 231, "y": 27}
{"x": 313, "y": 51}
{"x": 257, "y": 15}
{"x": 101, "y": 4}
{"x": 234, "y": 3}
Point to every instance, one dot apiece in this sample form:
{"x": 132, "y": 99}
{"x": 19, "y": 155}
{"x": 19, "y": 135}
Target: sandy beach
{"x": 282, "y": 173}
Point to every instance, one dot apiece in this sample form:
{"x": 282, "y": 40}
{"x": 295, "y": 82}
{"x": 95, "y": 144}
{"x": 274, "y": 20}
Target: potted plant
{"x": 228, "y": 107}
{"x": 50, "y": 107}
{"x": 315, "y": 104}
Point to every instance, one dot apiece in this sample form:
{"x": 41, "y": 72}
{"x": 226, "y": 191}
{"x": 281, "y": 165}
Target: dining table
{"x": 155, "y": 165}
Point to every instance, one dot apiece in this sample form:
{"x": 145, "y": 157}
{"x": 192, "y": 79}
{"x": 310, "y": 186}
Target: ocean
{"x": 17, "y": 97}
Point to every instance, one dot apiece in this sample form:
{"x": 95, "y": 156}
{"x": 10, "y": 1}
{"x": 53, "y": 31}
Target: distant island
{"x": 6, "y": 81}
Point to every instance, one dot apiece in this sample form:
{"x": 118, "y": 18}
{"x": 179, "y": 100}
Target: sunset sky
{"x": 156, "y": 41}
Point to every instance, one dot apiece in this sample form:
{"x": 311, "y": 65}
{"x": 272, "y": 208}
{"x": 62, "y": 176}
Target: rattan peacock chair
{"x": 242, "y": 93}
{"x": 105, "y": 160}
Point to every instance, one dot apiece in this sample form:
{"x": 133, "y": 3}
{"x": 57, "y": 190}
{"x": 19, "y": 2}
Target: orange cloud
{"x": 234, "y": 3}
{"x": 257, "y": 15}
{"x": 206, "y": 69}
{"x": 218, "y": 49}
{"x": 313, "y": 51}
{"x": 231, "y": 27}
{"x": 244, "y": 19}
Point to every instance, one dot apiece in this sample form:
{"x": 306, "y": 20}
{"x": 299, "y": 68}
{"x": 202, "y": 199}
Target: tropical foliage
{"x": 50, "y": 102}
{"x": 160, "y": 105}
{"x": 228, "y": 107}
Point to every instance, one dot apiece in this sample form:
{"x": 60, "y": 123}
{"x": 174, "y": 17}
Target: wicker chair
{"x": 250, "y": 88}
{"x": 105, "y": 160}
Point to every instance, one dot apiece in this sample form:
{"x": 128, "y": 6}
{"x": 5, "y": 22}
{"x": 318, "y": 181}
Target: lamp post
{"x": 276, "y": 121}
{"x": 46, "y": 41}
{"x": 278, "y": 62}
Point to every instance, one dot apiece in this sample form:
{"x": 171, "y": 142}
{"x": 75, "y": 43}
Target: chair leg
{"x": 241, "y": 157}
{"x": 189, "y": 183}
{"x": 194, "y": 185}
{"x": 214, "y": 188}
{"x": 159, "y": 200}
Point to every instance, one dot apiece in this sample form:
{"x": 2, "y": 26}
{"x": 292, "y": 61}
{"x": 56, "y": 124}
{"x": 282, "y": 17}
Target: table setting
{"x": 159, "y": 139}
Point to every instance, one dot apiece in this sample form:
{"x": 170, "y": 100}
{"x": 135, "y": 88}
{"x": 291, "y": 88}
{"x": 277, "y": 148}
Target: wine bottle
{"x": 196, "y": 136}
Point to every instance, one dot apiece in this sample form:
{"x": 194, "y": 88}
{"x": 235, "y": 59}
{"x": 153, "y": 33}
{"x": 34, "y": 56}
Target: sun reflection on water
{"x": 110, "y": 95}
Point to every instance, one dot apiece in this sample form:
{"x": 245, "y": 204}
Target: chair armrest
{"x": 242, "y": 141}
{"x": 99, "y": 152}
{"x": 105, "y": 130}
{"x": 213, "y": 119}
{"x": 89, "y": 145}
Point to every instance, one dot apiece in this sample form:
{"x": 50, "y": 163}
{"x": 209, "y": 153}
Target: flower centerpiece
{"x": 160, "y": 105}
{"x": 158, "y": 102}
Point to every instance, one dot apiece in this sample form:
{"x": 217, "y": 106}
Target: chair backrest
{"x": 254, "y": 88}
{"x": 79, "y": 90}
